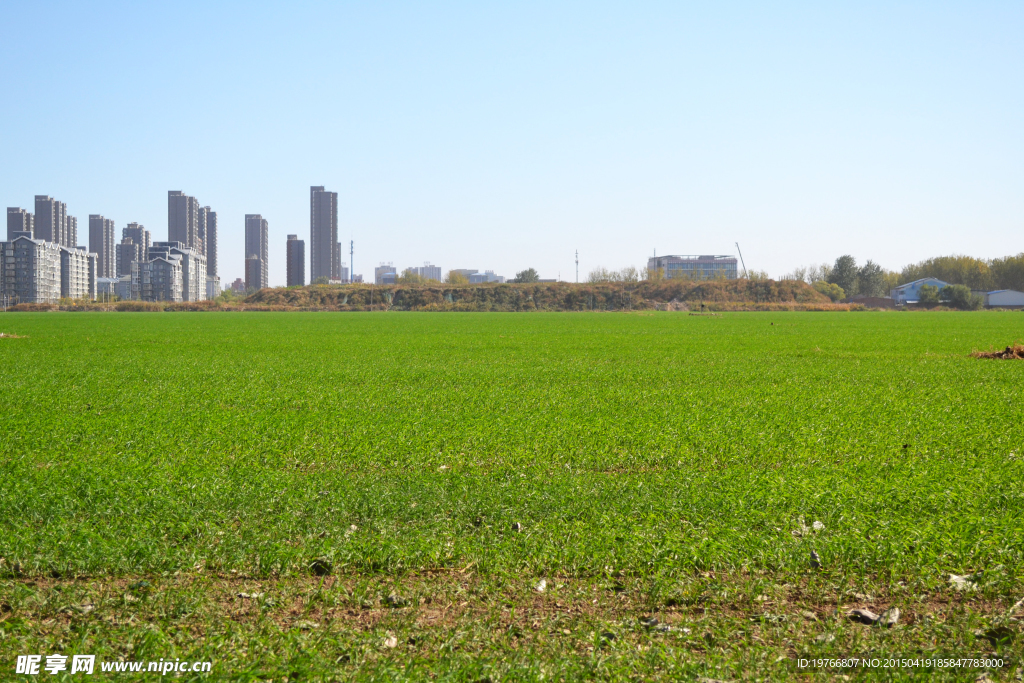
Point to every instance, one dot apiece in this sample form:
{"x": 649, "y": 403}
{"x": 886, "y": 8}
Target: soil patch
{"x": 1014, "y": 352}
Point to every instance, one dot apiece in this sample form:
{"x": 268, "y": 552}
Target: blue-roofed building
{"x": 910, "y": 293}
{"x": 1004, "y": 298}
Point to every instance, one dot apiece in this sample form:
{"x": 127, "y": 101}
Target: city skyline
{"x": 508, "y": 137}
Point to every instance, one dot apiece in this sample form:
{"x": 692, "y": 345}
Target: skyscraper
{"x": 323, "y": 234}
{"x": 208, "y": 233}
{"x": 70, "y": 232}
{"x": 296, "y": 256}
{"x": 134, "y": 247}
{"x": 51, "y": 220}
{"x": 183, "y": 220}
{"x": 256, "y": 247}
{"x": 19, "y": 220}
{"x": 101, "y": 242}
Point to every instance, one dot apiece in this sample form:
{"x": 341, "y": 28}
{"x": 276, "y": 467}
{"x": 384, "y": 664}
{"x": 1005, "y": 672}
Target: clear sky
{"x": 507, "y": 135}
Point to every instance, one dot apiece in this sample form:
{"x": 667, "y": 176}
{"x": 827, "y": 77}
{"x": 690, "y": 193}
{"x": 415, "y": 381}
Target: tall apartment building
{"x": 75, "y": 271}
{"x": 183, "y": 220}
{"x": 256, "y": 245}
{"x": 139, "y": 235}
{"x": 193, "y": 267}
{"x": 158, "y": 278}
{"x": 19, "y": 221}
{"x": 30, "y": 270}
{"x": 253, "y": 273}
{"x": 101, "y": 243}
{"x": 324, "y": 261}
{"x": 296, "y": 258}
{"x": 208, "y": 234}
{"x": 127, "y": 253}
{"x": 51, "y": 220}
{"x": 70, "y": 232}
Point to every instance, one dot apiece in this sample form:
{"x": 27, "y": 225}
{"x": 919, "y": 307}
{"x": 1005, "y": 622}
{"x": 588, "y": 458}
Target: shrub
{"x": 961, "y": 296}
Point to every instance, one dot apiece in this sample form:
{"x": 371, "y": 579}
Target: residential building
{"x": 296, "y": 261}
{"x": 256, "y": 245}
{"x": 139, "y": 235}
{"x": 71, "y": 232}
{"x": 101, "y": 243}
{"x": 127, "y": 253}
{"x": 19, "y": 221}
{"x": 51, "y": 220}
{"x": 127, "y": 288}
{"x": 486, "y": 276}
{"x": 464, "y": 272}
{"x": 253, "y": 273}
{"x": 158, "y": 279}
{"x": 74, "y": 274}
{"x": 193, "y": 267}
{"x": 428, "y": 272}
{"x": 106, "y": 288}
{"x": 183, "y": 220}
{"x": 1004, "y": 298}
{"x": 238, "y": 286}
{"x": 208, "y": 235}
{"x": 910, "y": 293}
{"x": 212, "y": 286}
{"x": 343, "y": 274}
{"x": 30, "y": 270}
{"x": 385, "y": 274}
{"x": 707, "y": 267}
{"x": 323, "y": 234}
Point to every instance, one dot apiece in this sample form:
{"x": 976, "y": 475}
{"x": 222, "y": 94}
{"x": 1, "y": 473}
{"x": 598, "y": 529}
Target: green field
{"x": 392, "y": 487}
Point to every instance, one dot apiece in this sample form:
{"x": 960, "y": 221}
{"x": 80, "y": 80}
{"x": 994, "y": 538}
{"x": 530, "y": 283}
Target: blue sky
{"x": 506, "y": 135}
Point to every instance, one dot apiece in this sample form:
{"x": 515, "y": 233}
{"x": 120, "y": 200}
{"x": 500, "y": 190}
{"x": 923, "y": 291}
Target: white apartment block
{"x": 30, "y": 271}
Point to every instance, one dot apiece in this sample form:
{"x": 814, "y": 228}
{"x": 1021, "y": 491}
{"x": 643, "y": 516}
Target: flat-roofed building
{"x": 323, "y": 234}
{"x": 208, "y": 234}
{"x": 295, "y": 255}
{"x": 486, "y": 276}
{"x": 212, "y": 286}
{"x": 706, "y": 267}
{"x": 51, "y": 220}
{"x": 19, "y": 221}
{"x": 256, "y": 245}
{"x": 183, "y": 220}
{"x": 385, "y": 274}
{"x": 101, "y": 243}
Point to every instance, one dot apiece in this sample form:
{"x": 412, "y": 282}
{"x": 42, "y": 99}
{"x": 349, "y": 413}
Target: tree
{"x": 844, "y": 273}
{"x": 956, "y": 270}
{"x": 1008, "y": 272}
{"x": 871, "y": 280}
{"x": 652, "y": 274}
{"x": 410, "y": 277}
{"x": 961, "y": 296}
{"x": 322, "y": 280}
{"x": 928, "y": 295}
{"x": 528, "y": 275}
{"x": 829, "y": 289}
{"x": 454, "y": 278}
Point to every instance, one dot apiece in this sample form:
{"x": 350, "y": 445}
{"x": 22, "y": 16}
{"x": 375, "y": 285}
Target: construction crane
{"x": 741, "y": 261}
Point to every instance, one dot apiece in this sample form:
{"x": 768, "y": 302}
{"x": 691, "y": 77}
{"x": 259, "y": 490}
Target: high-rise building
{"x": 253, "y": 273}
{"x": 70, "y": 232}
{"x": 256, "y": 246}
{"x": 183, "y": 220}
{"x": 324, "y": 254}
{"x": 19, "y": 221}
{"x": 428, "y": 272}
{"x": 208, "y": 233}
{"x": 51, "y": 220}
{"x": 139, "y": 235}
{"x": 296, "y": 257}
{"x": 30, "y": 270}
{"x": 101, "y": 243}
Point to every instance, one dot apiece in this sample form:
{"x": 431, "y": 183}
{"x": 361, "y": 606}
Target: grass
{"x": 641, "y": 464}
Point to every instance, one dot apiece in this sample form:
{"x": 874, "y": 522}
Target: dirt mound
{"x": 1015, "y": 352}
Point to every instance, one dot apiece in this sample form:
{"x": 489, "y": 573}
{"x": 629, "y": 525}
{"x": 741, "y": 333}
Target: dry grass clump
{"x": 1016, "y": 351}
{"x": 6, "y": 335}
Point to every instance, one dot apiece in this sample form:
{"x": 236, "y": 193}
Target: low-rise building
{"x": 910, "y": 293}
{"x": 106, "y": 288}
{"x": 486, "y": 276}
{"x": 704, "y": 267}
{"x": 1004, "y": 298}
